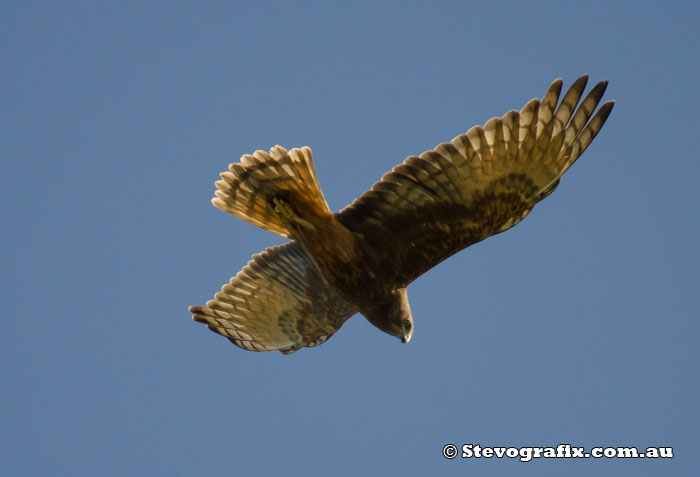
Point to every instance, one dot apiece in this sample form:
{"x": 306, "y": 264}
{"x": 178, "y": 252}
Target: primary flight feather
{"x": 423, "y": 211}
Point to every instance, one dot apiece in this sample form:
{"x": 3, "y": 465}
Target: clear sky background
{"x": 578, "y": 326}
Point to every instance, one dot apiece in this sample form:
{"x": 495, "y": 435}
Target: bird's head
{"x": 392, "y": 315}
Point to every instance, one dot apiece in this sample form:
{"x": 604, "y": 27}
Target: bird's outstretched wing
{"x": 276, "y": 302}
{"x": 481, "y": 183}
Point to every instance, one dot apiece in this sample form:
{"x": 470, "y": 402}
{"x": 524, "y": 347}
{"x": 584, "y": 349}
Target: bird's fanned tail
{"x": 255, "y": 188}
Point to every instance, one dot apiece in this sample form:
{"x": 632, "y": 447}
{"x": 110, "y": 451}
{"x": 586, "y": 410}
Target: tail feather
{"x": 248, "y": 188}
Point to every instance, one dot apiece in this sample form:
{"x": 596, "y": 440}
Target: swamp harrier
{"x": 426, "y": 209}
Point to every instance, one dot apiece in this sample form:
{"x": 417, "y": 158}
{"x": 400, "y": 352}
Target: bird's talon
{"x": 286, "y": 213}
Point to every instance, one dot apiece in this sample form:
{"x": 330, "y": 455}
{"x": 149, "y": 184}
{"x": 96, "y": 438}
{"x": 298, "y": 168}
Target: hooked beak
{"x": 406, "y": 334}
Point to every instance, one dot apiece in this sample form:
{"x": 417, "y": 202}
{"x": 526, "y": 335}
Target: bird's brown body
{"x": 334, "y": 250}
{"x": 426, "y": 209}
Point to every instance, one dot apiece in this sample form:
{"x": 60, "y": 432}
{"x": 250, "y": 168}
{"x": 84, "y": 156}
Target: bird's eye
{"x": 406, "y": 325}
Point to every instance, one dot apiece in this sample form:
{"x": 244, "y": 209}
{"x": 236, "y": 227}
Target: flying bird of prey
{"x": 426, "y": 209}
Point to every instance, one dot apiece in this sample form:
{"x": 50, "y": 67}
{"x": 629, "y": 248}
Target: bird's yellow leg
{"x": 287, "y": 214}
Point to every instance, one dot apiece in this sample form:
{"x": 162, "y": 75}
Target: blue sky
{"x": 578, "y": 326}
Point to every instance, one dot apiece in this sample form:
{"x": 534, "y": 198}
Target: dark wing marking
{"x": 481, "y": 183}
{"x": 276, "y": 302}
